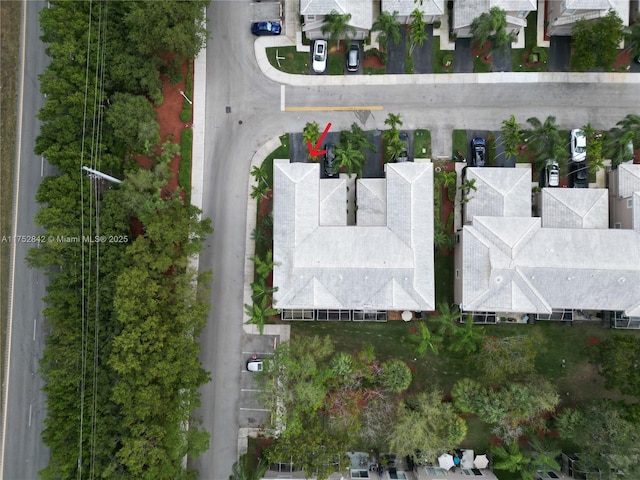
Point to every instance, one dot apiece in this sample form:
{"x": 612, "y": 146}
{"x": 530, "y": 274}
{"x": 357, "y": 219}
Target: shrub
{"x": 395, "y": 375}
{"x": 184, "y": 174}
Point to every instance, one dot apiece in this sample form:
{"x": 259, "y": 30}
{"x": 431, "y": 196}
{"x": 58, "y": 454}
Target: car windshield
{"x": 268, "y": 26}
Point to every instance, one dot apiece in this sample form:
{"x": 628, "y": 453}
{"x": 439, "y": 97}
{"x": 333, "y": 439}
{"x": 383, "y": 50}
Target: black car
{"x": 404, "y": 153}
{"x": 478, "y": 152}
{"x": 353, "y": 57}
{"x": 266, "y": 28}
{"x": 329, "y": 157}
{"x": 578, "y": 175}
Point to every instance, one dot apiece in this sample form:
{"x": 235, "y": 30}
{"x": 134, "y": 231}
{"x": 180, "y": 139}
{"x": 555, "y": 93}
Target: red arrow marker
{"x": 315, "y": 151}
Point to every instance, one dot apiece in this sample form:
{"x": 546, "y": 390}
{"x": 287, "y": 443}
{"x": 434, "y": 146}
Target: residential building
{"x": 433, "y": 10}
{"x": 465, "y": 11}
{"x": 352, "y": 262}
{"x": 624, "y": 195}
{"x": 563, "y": 15}
{"x": 567, "y": 260}
{"x": 314, "y": 12}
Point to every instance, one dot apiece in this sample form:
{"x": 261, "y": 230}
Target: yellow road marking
{"x": 328, "y": 108}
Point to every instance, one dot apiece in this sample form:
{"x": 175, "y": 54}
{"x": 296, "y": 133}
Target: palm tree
{"x": 259, "y": 312}
{"x": 260, "y": 190}
{"x": 543, "y": 455}
{"x": 393, "y": 120}
{"x": 595, "y": 158}
{"x": 616, "y": 146}
{"x": 447, "y": 317}
{"x": 466, "y": 187}
{"x": 388, "y": 27}
{"x": 349, "y": 158}
{"x": 426, "y": 341}
{"x": 632, "y": 37}
{"x": 393, "y": 145}
{"x": 310, "y": 134}
{"x": 510, "y": 459}
{"x": 491, "y": 26}
{"x": 545, "y": 140}
{"x": 337, "y": 26}
{"x": 417, "y": 32}
{"x": 260, "y": 173}
{"x": 263, "y": 266}
{"x": 259, "y": 236}
{"x": 261, "y": 290}
{"x": 511, "y": 136}
{"x": 467, "y": 338}
{"x": 357, "y": 137}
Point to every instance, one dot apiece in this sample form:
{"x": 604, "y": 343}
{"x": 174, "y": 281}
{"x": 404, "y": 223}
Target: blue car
{"x": 266, "y": 28}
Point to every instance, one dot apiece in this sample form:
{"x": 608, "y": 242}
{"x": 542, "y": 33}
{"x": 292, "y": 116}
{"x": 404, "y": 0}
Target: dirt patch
{"x": 372, "y": 62}
{"x": 582, "y": 383}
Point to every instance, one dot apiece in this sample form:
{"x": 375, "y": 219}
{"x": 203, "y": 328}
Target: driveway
{"x": 252, "y": 412}
{"x": 463, "y": 56}
{"x": 501, "y": 59}
{"x": 396, "y": 55}
{"x": 423, "y": 55}
{"x": 559, "y": 54}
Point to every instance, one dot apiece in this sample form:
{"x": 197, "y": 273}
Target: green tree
{"x": 260, "y": 174}
{"x": 466, "y": 338}
{"x": 632, "y": 39}
{"x": 426, "y": 424}
{"x": 393, "y": 120}
{"x": 259, "y": 312}
{"x": 391, "y": 138}
{"x": 389, "y": 28}
{"x": 545, "y": 141}
{"x": 509, "y": 358}
{"x": 491, "y": 26}
{"x": 134, "y": 122}
{"x": 512, "y": 137}
{"x": 350, "y": 158}
{"x": 358, "y": 138}
{"x": 244, "y": 469}
{"x": 417, "y": 31}
{"x": 337, "y": 26}
{"x": 511, "y": 459}
{"x": 261, "y": 291}
{"x": 595, "y": 42}
{"x": 543, "y": 455}
{"x": 595, "y": 157}
{"x": 310, "y": 135}
{"x": 618, "y": 358}
{"x": 616, "y": 146}
{"x": 601, "y": 432}
{"x": 395, "y": 375}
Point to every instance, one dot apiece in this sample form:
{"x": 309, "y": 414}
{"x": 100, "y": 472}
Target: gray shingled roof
{"x": 384, "y": 267}
{"x": 361, "y": 10}
{"x": 500, "y": 192}
{"x": 628, "y": 179}
{"x": 405, "y": 7}
{"x": 515, "y": 265}
{"x": 575, "y": 208}
{"x": 464, "y": 12}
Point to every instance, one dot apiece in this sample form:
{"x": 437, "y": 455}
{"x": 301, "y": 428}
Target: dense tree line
{"x": 123, "y": 314}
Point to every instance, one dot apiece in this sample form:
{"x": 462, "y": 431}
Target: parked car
{"x": 319, "y": 63}
{"x": 578, "y": 145}
{"x": 552, "y": 171}
{"x": 478, "y": 152}
{"x": 329, "y": 157}
{"x": 578, "y": 175}
{"x": 404, "y": 153}
{"x": 254, "y": 364}
{"x": 266, "y": 28}
{"x": 353, "y": 57}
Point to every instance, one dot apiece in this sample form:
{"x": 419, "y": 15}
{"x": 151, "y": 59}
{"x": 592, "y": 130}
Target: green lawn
{"x": 459, "y": 142}
{"x": 479, "y": 66}
{"x": 518, "y": 55}
{"x": 293, "y": 62}
{"x": 441, "y": 58}
{"x": 375, "y": 71}
{"x": 422, "y": 144}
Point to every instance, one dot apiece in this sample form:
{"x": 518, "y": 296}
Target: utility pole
{"x": 96, "y": 173}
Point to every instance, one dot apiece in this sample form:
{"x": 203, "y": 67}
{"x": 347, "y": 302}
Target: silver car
{"x": 319, "y": 63}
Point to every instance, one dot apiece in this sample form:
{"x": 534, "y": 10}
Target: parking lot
{"x": 252, "y": 411}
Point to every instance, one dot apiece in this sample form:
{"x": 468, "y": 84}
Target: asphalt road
{"x": 23, "y": 453}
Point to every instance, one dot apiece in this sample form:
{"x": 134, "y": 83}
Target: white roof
{"x": 369, "y": 266}
{"x": 361, "y": 10}
{"x": 575, "y": 208}
{"x": 628, "y": 179}
{"x": 515, "y": 265}
{"x": 500, "y": 192}
{"x": 464, "y": 12}
{"x": 406, "y": 7}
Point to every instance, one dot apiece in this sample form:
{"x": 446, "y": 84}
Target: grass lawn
{"x": 422, "y": 144}
{"x": 479, "y": 66}
{"x": 459, "y": 142}
{"x": 293, "y": 62}
{"x": 10, "y": 40}
{"x": 518, "y": 55}
{"x": 441, "y": 58}
{"x": 375, "y": 71}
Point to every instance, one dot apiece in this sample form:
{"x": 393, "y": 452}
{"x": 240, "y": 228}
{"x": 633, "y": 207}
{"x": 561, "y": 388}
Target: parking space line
{"x": 282, "y": 98}
{"x": 250, "y": 390}
{"x": 334, "y": 108}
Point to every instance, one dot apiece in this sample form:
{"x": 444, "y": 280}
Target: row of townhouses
{"x": 347, "y": 249}
{"x": 560, "y": 15}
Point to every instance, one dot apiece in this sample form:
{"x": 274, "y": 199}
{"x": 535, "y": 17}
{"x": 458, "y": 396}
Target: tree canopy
{"x": 595, "y": 42}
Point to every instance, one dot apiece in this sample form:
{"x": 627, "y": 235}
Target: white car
{"x": 254, "y": 365}
{"x": 319, "y": 63}
{"x": 578, "y": 145}
{"x": 553, "y": 173}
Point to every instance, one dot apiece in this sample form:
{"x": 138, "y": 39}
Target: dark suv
{"x": 478, "y": 152}
{"x": 578, "y": 175}
{"x": 329, "y": 157}
{"x": 404, "y": 153}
